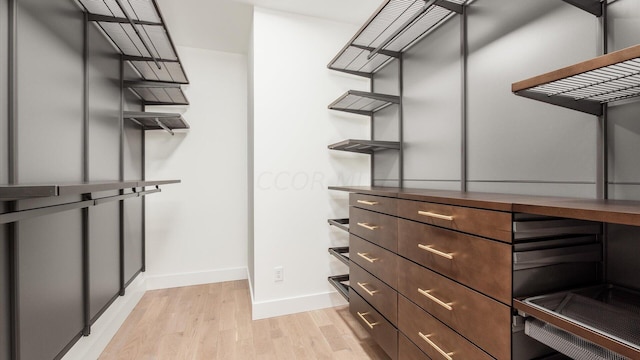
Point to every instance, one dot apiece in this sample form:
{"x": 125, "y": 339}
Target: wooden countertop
{"x": 626, "y": 212}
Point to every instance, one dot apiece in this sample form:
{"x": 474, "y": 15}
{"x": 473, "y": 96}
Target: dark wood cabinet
{"x": 436, "y": 339}
{"x": 475, "y": 316}
{"x": 381, "y": 330}
{"x": 456, "y": 292}
{"x": 479, "y": 263}
{"x": 378, "y": 228}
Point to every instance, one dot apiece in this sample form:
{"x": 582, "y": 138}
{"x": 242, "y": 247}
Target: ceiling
{"x": 225, "y": 25}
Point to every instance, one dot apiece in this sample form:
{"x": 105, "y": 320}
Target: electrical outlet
{"x": 278, "y": 273}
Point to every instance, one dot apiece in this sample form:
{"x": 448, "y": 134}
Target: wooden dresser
{"x": 441, "y": 274}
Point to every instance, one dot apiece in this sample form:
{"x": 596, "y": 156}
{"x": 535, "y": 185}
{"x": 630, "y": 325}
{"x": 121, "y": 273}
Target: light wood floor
{"x": 214, "y": 322}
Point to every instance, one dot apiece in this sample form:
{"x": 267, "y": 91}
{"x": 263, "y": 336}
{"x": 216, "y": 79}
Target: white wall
{"x": 292, "y": 165}
{"x": 197, "y": 230}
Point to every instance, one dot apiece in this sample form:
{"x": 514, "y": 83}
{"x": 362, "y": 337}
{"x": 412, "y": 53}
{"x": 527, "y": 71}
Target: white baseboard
{"x": 286, "y": 306}
{"x": 103, "y": 330}
{"x": 155, "y": 282}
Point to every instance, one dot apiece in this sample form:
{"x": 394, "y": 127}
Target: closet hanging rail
{"x": 393, "y": 29}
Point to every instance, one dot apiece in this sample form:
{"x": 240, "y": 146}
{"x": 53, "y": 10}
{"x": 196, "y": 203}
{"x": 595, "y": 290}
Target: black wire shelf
{"x": 363, "y": 103}
{"x": 157, "y": 121}
{"x": 587, "y": 85}
{"x": 157, "y": 93}
{"x": 339, "y": 253}
{"x": 391, "y": 30}
{"x": 592, "y": 6}
{"x": 342, "y": 224}
{"x": 365, "y": 146}
{"x": 340, "y": 282}
{"x": 138, "y": 31}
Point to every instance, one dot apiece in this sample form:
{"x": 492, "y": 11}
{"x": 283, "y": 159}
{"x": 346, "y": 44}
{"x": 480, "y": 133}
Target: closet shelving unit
{"x": 139, "y": 33}
{"x": 601, "y": 317}
{"x": 364, "y": 103}
{"x": 600, "y": 321}
{"x": 587, "y": 85}
{"x": 393, "y": 28}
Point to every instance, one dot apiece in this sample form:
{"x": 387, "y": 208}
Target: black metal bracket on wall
{"x": 602, "y": 176}
{"x": 86, "y": 263}
{"x": 121, "y": 177}
{"x": 12, "y": 171}
{"x": 464, "y": 54}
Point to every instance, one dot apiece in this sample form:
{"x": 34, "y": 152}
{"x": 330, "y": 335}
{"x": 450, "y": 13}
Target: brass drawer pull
{"x": 372, "y": 203}
{"x": 364, "y": 287}
{"x": 368, "y": 226}
{"x": 364, "y": 256}
{"x": 435, "y": 299}
{"x": 436, "y": 215}
{"x": 444, "y": 354}
{"x": 430, "y": 249}
{"x": 362, "y": 316}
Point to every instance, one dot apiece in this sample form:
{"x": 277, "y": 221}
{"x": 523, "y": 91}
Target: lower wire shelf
{"x": 341, "y": 283}
{"x": 342, "y": 224}
{"x": 602, "y": 320}
{"x": 341, "y": 253}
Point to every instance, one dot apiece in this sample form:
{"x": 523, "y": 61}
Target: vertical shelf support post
{"x": 463, "y": 101}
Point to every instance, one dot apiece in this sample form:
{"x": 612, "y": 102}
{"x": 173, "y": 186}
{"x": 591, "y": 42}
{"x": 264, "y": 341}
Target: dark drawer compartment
{"x": 487, "y": 223}
{"x": 381, "y": 330}
{"x": 375, "y": 203}
{"x": 378, "y": 228}
{"x": 381, "y": 263}
{"x": 481, "y": 264}
{"x": 433, "y": 337}
{"x": 484, "y": 321}
{"x": 377, "y": 293}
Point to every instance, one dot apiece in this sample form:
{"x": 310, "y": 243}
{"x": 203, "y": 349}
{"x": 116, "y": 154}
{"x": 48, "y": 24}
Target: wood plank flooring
{"x": 213, "y": 321}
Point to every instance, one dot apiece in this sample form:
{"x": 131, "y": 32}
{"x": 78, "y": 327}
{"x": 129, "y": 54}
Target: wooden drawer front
{"x": 408, "y": 350}
{"x": 382, "y": 297}
{"x": 375, "y": 203}
{"x": 484, "y": 321}
{"x": 375, "y": 227}
{"x": 381, "y": 330}
{"x": 481, "y": 264}
{"x": 433, "y": 337}
{"x": 381, "y": 263}
{"x": 487, "y": 223}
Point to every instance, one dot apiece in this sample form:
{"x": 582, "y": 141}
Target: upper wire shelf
{"x": 592, "y": 6}
{"x": 587, "y": 85}
{"x": 363, "y": 103}
{"x": 158, "y": 93}
{"x": 365, "y": 146}
{"x": 391, "y": 30}
{"x": 139, "y": 32}
{"x": 157, "y": 121}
